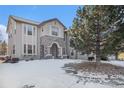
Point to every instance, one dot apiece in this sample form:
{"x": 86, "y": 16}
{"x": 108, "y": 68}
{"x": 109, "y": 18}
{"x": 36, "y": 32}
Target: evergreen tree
{"x": 3, "y": 48}
{"x": 91, "y": 25}
{"x": 115, "y": 36}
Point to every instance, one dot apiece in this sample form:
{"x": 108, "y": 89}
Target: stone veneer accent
{"x": 49, "y": 40}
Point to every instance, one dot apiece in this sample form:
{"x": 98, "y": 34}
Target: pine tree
{"x": 3, "y": 48}
{"x": 91, "y": 25}
{"x": 115, "y": 36}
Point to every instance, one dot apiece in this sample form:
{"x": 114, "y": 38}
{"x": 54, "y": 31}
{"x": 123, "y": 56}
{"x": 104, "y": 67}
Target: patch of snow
{"x": 43, "y": 73}
{"x": 90, "y": 85}
{"x": 115, "y": 62}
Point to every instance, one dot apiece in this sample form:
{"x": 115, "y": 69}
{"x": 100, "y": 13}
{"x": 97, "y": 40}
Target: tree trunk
{"x": 76, "y": 56}
{"x": 98, "y": 58}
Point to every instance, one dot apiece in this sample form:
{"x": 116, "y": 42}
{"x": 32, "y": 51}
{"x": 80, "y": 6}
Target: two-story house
{"x": 31, "y": 39}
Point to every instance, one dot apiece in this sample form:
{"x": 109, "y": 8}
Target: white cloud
{"x": 3, "y": 34}
{"x": 34, "y": 7}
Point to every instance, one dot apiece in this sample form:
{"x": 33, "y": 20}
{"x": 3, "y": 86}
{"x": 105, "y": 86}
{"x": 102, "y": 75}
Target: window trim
{"x": 15, "y": 27}
{"x": 34, "y": 30}
{"x": 25, "y": 29}
{"x": 34, "y": 49}
{"x": 30, "y": 32}
{"x": 29, "y": 50}
{"x": 25, "y": 49}
{"x": 54, "y": 30}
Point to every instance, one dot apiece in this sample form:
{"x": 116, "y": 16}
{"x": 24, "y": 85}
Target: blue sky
{"x": 39, "y": 13}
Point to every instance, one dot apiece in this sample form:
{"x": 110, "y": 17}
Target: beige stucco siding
{"x": 41, "y": 36}
{"x": 48, "y": 31}
{"x": 29, "y": 39}
{"x": 18, "y": 40}
{"x": 14, "y": 38}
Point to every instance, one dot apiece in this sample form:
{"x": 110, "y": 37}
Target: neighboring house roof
{"x": 53, "y": 19}
{"x": 25, "y": 20}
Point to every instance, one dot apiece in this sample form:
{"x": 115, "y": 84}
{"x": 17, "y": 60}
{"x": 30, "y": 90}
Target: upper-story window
{"x": 24, "y": 29}
{"x": 10, "y": 35}
{"x": 14, "y": 27}
{"x": 42, "y": 29}
{"x": 29, "y": 30}
{"x": 65, "y": 36}
{"x": 34, "y": 30}
{"x": 55, "y": 30}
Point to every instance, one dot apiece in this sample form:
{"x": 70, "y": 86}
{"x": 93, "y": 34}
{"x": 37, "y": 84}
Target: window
{"x": 55, "y": 23}
{"x": 65, "y": 36}
{"x": 24, "y": 48}
{"x": 34, "y": 30}
{"x": 42, "y": 29}
{"x": 34, "y": 49}
{"x": 29, "y": 49}
{"x": 54, "y": 33}
{"x": 10, "y": 35}
{"x": 55, "y": 30}
{"x": 15, "y": 27}
{"x": 29, "y": 30}
{"x": 13, "y": 49}
{"x": 24, "y": 29}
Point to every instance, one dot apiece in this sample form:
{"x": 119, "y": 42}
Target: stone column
{"x": 48, "y": 49}
{"x": 60, "y": 51}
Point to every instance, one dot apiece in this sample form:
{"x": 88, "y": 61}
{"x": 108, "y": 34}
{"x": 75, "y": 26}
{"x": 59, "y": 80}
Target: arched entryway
{"x": 54, "y": 50}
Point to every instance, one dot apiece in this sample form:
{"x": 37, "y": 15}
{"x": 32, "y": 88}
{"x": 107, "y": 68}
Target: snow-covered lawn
{"x": 116, "y": 62}
{"x": 42, "y": 73}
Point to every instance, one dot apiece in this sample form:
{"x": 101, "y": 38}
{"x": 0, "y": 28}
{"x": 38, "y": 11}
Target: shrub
{"x": 14, "y": 60}
{"x": 31, "y": 59}
{"x": 104, "y": 58}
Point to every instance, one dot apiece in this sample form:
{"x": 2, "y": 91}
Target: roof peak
{"x": 52, "y": 19}
{"x": 35, "y": 22}
{"x": 24, "y": 19}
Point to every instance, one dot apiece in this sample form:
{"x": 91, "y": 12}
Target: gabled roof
{"x": 34, "y": 22}
{"x": 24, "y": 20}
{"x": 53, "y": 19}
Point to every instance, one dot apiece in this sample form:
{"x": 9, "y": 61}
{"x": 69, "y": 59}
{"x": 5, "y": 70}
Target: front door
{"x": 54, "y": 50}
